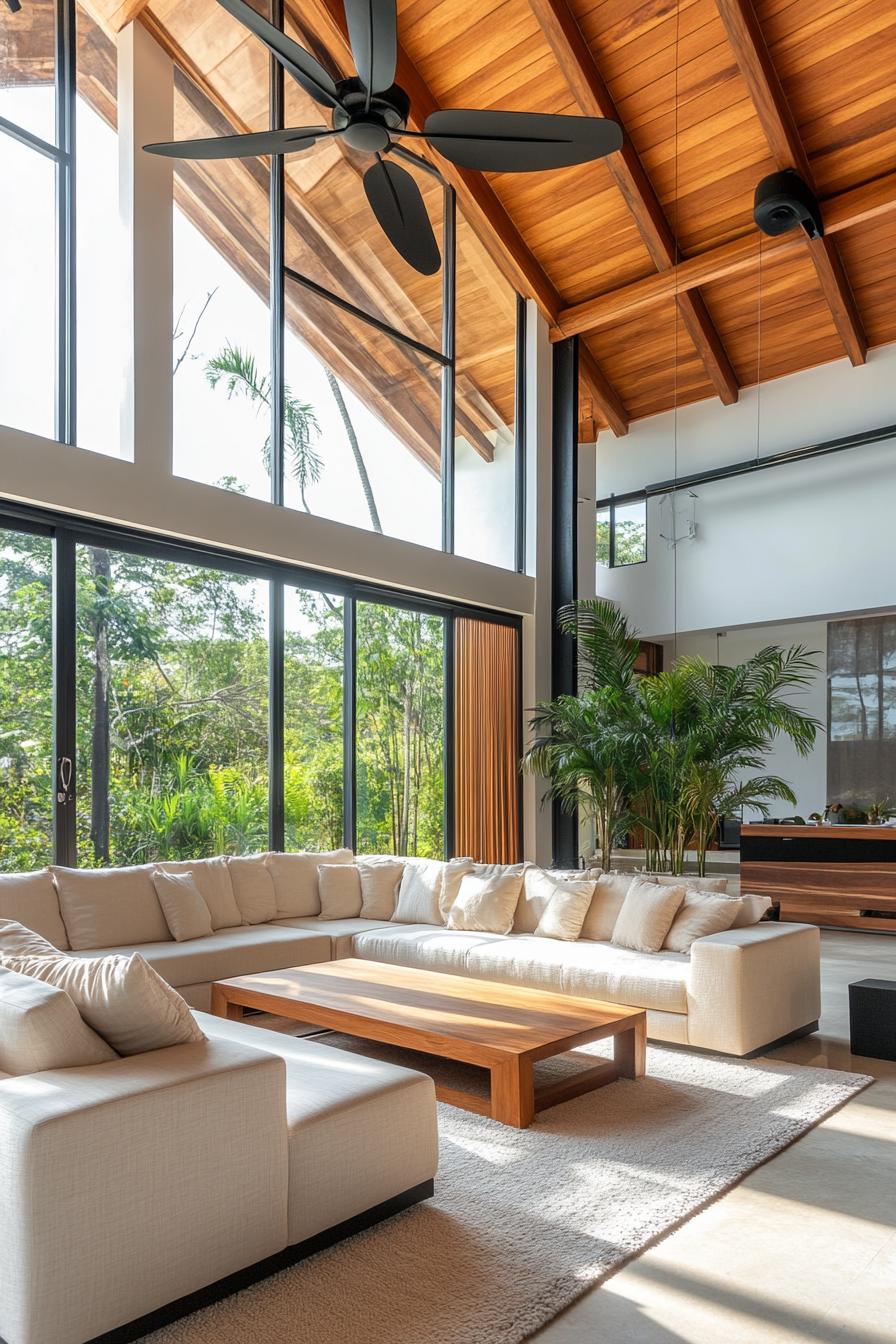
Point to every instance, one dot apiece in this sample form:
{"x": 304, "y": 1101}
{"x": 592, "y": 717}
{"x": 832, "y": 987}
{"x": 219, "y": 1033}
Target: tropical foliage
{"x": 671, "y": 753}
{"x": 172, "y": 713}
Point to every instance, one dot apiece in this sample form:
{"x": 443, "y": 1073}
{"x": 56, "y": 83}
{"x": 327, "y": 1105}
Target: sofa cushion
{"x": 603, "y": 912}
{"x": 186, "y": 913}
{"x": 212, "y": 877}
{"x": 453, "y": 874}
{"x": 31, "y": 899}
{"x": 588, "y": 970}
{"x": 429, "y": 947}
{"x": 17, "y": 941}
{"x": 360, "y": 1130}
{"x": 40, "y": 1028}
{"x": 120, "y": 997}
{"x": 751, "y": 910}
{"x": 646, "y": 916}
{"x": 295, "y": 880}
{"x": 565, "y": 912}
{"x": 700, "y": 914}
{"x": 339, "y": 931}
{"x": 253, "y": 889}
{"x": 339, "y": 885}
{"x": 110, "y": 907}
{"x": 420, "y": 892}
{"x": 380, "y": 876}
{"x": 243, "y": 950}
{"x": 486, "y": 901}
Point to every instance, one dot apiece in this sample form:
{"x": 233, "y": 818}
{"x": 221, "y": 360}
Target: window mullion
{"x": 64, "y": 698}
{"x": 66, "y": 383}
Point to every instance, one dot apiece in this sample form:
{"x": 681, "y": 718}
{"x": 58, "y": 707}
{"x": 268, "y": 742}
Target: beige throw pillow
{"x": 700, "y": 913}
{"x": 340, "y": 890}
{"x": 646, "y": 916}
{"x": 40, "y": 1028}
{"x": 110, "y": 907}
{"x": 295, "y": 881}
{"x": 566, "y": 909}
{"x": 17, "y": 941}
{"x": 253, "y": 889}
{"x": 212, "y": 877}
{"x": 380, "y": 877}
{"x": 486, "y": 902}
{"x": 186, "y": 913}
{"x": 609, "y": 894}
{"x": 32, "y": 899}
{"x": 418, "y": 895}
{"x": 120, "y": 997}
{"x": 752, "y": 908}
{"x": 454, "y": 872}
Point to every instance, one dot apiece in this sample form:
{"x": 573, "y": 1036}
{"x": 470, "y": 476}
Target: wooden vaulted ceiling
{"x": 650, "y": 256}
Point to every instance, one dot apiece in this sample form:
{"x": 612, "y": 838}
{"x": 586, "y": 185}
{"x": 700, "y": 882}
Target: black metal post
{"x": 564, "y": 557}
{"x": 276, "y": 639}
{"x": 349, "y": 722}
{"x": 64, "y": 706}
{"x": 66, "y": 379}
{"x": 277, "y": 207}
{"x": 520, "y": 437}
{"x": 449, "y": 244}
{"x": 449, "y": 765}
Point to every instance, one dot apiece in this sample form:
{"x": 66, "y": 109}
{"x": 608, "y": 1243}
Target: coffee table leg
{"x": 222, "y": 1007}
{"x": 513, "y": 1092}
{"x": 630, "y": 1050}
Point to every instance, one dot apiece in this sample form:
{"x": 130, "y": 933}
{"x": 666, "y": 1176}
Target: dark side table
{"x": 872, "y": 1018}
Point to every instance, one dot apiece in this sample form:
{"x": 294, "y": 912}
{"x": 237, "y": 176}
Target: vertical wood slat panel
{"x": 486, "y": 745}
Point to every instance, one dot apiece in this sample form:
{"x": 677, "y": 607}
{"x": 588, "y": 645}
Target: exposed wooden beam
{"x": 477, "y": 198}
{"x": 580, "y": 69}
{"x": 779, "y": 126}
{"x": 844, "y": 211}
{"x": 113, "y": 15}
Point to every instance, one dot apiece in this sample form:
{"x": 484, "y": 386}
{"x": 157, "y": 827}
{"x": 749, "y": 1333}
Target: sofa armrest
{"x": 129, "y": 1184}
{"x": 749, "y": 987}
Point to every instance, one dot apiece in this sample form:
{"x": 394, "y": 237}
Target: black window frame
{"x": 610, "y": 505}
{"x": 68, "y": 532}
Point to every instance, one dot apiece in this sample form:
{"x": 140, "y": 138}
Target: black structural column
{"x": 65, "y": 847}
{"x": 564, "y": 551}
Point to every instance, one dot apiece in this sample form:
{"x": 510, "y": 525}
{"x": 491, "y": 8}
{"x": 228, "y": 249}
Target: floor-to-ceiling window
{"x": 313, "y": 743}
{"x": 26, "y": 700}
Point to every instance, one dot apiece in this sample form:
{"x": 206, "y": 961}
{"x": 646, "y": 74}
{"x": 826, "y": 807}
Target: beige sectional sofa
{"x": 735, "y": 992}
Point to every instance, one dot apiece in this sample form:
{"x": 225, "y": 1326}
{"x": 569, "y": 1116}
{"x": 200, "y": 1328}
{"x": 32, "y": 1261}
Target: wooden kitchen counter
{"x": 844, "y": 876}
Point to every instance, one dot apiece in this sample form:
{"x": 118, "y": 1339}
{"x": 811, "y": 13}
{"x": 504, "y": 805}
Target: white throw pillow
{"x": 486, "y": 901}
{"x": 689, "y": 880}
{"x": 340, "y": 890}
{"x": 17, "y": 941}
{"x": 418, "y": 895}
{"x": 110, "y": 907}
{"x": 606, "y": 903}
{"x": 566, "y": 909}
{"x": 455, "y": 870}
{"x": 295, "y": 881}
{"x": 253, "y": 888}
{"x": 31, "y": 898}
{"x": 380, "y": 876}
{"x": 212, "y": 877}
{"x": 120, "y": 997}
{"x": 186, "y": 913}
{"x": 646, "y": 916}
{"x": 700, "y": 913}
{"x": 752, "y": 908}
{"x": 40, "y": 1028}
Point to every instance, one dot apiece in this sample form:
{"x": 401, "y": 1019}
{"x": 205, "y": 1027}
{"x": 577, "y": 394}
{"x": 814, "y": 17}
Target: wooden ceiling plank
{"x": 779, "y": 126}
{"x": 870, "y": 201}
{"x": 594, "y": 99}
{"x": 605, "y": 395}
{"x": 477, "y": 198}
{"x": 113, "y": 15}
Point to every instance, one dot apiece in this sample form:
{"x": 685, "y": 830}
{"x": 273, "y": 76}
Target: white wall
{"x": 807, "y": 776}
{"x": 811, "y": 539}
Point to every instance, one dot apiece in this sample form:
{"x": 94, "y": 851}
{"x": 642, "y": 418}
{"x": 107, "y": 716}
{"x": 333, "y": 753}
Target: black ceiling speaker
{"x": 783, "y": 202}
{"x": 370, "y": 113}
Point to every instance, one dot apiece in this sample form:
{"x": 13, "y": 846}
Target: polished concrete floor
{"x": 804, "y": 1249}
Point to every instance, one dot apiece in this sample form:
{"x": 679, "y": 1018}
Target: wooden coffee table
{"x": 502, "y": 1028}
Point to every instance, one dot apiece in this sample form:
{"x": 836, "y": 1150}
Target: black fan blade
{"x": 246, "y": 146}
{"x": 373, "y": 33}
{"x": 520, "y": 142}
{"x": 295, "y": 59}
{"x": 396, "y": 201}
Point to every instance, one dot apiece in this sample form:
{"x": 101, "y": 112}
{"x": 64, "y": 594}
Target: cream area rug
{"x": 523, "y": 1222}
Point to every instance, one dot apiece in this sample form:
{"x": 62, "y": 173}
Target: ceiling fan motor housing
{"x": 783, "y": 202}
{"x": 368, "y": 128}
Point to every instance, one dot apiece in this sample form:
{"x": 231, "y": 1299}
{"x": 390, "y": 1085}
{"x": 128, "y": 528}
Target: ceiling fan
{"x": 370, "y": 113}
